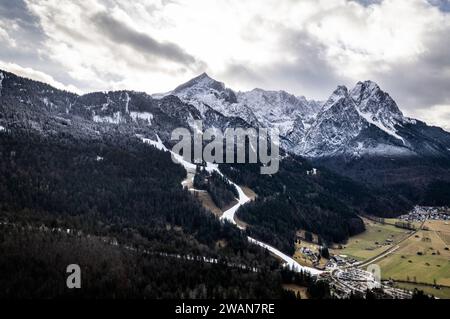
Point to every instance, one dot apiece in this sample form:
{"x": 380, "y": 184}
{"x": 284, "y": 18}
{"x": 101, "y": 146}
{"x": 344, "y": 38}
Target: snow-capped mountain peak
{"x": 364, "y": 119}
{"x": 205, "y": 93}
{"x": 377, "y": 107}
{"x": 371, "y": 99}
{"x": 202, "y": 81}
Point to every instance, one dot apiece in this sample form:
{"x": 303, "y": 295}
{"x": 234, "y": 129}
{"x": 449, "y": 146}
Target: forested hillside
{"x": 131, "y": 194}
{"x": 292, "y": 199}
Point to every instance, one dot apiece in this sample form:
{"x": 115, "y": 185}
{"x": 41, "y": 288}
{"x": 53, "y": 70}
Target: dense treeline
{"x": 33, "y": 265}
{"x": 317, "y": 289}
{"x": 222, "y": 192}
{"x": 416, "y": 180}
{"x": 437, "y": 194}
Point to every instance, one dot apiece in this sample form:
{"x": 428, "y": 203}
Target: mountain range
{"x": 362, "y": 121}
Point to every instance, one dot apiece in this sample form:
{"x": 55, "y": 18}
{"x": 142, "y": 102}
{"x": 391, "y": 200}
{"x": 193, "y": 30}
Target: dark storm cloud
{"x": 245, "y": 74}
{"x": 307, "y": 72}
{"x": 424, "y": 81}
{"x": 310, "y": 67}
{"x": 22, "y": 26}
{"x": 118, "y": 32}
{"x": 17, "y": 10}
{"x": 29, "y": 38}
{"x": 367, "y": 2}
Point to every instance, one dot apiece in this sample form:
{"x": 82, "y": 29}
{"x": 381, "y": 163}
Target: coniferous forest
{"x": 105, "y": 206}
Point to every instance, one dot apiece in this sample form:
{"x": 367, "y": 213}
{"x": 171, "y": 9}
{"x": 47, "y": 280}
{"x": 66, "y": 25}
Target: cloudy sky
{"x": 306, "y": 47}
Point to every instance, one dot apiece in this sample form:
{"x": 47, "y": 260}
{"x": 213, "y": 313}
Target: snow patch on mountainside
{"x": 377, "y": 107}
{"x": 389, "y": 130}
{"x": 115, "y": 119}
{"x": 2, "y": 77}
{"x": 127, "y": 102}
{"x": 380, "y": 149}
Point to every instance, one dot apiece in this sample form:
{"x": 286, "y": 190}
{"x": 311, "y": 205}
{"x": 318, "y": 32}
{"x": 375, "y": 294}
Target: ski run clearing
{"x": 228, "y": 215}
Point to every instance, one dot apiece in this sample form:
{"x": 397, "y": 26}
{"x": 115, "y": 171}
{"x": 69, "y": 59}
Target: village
{"x": 342, "y": 272}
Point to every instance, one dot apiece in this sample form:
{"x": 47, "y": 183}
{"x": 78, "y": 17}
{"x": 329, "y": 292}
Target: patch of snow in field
{"x": 2, "y": 128}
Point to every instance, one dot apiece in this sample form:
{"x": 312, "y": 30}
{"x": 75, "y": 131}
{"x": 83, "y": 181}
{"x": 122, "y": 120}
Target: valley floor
{"x": 408, "y": 259}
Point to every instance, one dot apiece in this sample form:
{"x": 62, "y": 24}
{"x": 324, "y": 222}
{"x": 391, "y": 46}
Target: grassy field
{"x": 422, "y": 258}
{"x": 249, "y": 193}
{"x": 208, "y": 203}
{"x": 375, "y": 240}
{"x": 392, "y": 221}
{"x": 441, "y": 228}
